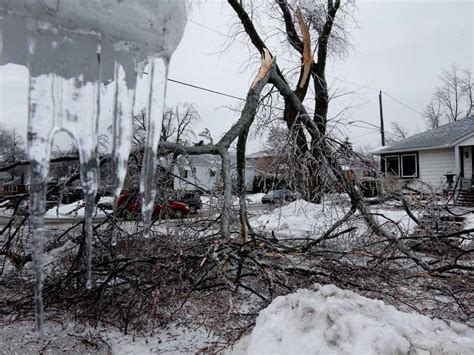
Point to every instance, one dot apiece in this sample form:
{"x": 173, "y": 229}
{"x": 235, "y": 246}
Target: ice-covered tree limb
{"x": 321, "y": 149}
{"x": 247, "y": 118}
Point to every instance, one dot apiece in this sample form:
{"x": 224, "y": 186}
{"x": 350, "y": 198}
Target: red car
{"x": 133, "y": 207}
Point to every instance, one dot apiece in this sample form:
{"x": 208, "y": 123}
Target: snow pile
{"x": 395, "y": 219}
{"x": 298, "y": 219}
{"x": 301, "y": 219}
{"x": 333, "y": 321}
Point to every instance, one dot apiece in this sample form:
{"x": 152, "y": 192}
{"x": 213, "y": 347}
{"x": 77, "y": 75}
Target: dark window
{"x": 409, "y": 168}
{"x": 392, "y": 165}
{"x": 183, "y": 173}
{"x": 212, "y": 173}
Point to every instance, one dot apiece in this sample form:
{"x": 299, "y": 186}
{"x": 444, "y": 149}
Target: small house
{"x": 442, "y": 157}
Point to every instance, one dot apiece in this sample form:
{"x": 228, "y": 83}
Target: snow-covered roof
{"x": 446, "y": 136}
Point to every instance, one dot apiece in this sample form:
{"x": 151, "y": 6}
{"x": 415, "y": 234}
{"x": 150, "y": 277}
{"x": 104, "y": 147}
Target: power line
{"x": 206, "y": 89}
{"x": 218, "y": 92}
{"x": 375, "y": 130}
{"x": 209, "y": 28}
{"x": 402, "y": 103}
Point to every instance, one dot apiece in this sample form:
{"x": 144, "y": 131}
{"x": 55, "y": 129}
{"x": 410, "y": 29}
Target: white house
{"x": 204, "y": 171}
{"x": 433, "y": 155}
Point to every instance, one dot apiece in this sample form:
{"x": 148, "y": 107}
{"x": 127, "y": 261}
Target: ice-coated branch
{"x": 321, "y": 149}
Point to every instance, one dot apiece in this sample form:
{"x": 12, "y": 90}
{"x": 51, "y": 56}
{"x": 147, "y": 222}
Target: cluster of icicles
{"x": 69, "y": 69}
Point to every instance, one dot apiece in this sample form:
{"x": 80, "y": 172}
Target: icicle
{"x": 63, "y": 57}
{"x": 124, "y": 97}
{"x": 38, "y": 178}
{"x": 63, "y": 95}
{"x": 158, "y": 72}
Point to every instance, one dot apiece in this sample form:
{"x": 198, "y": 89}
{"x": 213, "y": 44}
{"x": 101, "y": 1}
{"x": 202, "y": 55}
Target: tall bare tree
{"x": 315, "y": 27}
{"x": 452, "y": 99}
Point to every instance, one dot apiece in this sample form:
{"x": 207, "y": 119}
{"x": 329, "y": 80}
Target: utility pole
{"x": 382, "y": 130}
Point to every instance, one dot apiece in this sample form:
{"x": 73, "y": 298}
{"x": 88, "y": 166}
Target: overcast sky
{"x": 399, "y": 47}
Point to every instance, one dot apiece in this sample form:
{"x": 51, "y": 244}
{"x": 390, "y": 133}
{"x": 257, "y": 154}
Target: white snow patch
{"x": 393, "y": 217}
{"x": 106, "y": 200}
{"x": 254, "y": 198}
{"x": 329, "y": 320}
{"x": 71, "y": 210}
{"x": 298, "y": 219}
{"x": 301, "y": 219}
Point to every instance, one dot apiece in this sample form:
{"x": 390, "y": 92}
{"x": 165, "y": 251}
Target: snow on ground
{"x": 72, "y": 210}
{"x": 4, "y": 203}
{"x": 390, "y": 216}
{"x": 301, "y": 219}
{"x": 329, "y": 320}
{"x": 66, "y": 337}
{"x": 251, "y": 199}
{"x": 298, "y": 219}
{"x": 254, "y": 198}
{"x": 106, "y": 200}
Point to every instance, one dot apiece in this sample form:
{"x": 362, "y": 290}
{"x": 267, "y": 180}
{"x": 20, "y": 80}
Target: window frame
{"x": 386, "y": 165}
{"x": 401, "y": 165}
{"x": 183, "y": 173}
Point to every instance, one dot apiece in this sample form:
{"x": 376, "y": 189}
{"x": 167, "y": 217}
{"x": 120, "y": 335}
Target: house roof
{"x": 15, "y": 181}
{"x": 446, "y": 136}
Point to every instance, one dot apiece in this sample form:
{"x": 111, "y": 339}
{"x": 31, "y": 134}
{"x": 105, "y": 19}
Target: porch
{"x": 464, "y": 163}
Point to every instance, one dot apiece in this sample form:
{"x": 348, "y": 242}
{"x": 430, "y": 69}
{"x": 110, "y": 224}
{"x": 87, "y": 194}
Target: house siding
{"x": 433, "y": 164}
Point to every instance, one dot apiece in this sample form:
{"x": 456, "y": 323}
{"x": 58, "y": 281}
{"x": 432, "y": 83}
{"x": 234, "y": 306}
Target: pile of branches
{"x": 187, "y": 274}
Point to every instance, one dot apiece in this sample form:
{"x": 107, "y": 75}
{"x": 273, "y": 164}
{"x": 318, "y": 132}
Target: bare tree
{"x": 178, "y": 123}
{"x": 432, "y": 113}
{"x": 399, "y": 132}
{"x": 12, "y": 148}
{"x": 315, "y": 27}
{"x": 452, "y": 99}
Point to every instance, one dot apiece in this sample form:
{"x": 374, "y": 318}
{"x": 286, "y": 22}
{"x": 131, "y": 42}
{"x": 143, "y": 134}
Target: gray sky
{"x": 400, "y": 47}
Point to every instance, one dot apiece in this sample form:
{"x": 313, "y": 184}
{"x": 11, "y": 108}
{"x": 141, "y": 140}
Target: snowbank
{"x": 329, "y": 320}
{"x": 298, "y": 219}
{"x": 301, "y": 219}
